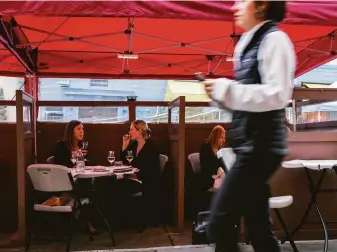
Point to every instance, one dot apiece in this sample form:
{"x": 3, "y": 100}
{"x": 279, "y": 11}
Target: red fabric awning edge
{"x": 299, "y": 12}
{"x": 313, "y": 13}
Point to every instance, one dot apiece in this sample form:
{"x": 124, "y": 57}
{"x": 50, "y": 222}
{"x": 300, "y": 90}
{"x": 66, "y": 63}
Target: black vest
{"x": 256, "y": 131}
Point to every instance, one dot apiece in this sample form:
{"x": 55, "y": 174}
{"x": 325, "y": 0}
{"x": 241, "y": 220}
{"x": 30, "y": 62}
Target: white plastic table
{"x": 90, "y": 173}
{"x": 317, "y": 165}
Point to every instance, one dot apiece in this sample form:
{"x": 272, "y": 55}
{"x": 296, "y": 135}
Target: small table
{"x": 317, "y": 165}
{"x": 90, "y": 173}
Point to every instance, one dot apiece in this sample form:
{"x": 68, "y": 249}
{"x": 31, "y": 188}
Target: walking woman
{"x": 264, "y": 64}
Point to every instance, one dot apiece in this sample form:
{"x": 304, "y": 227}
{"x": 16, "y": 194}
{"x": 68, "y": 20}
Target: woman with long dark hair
{"x": 264, "y": 64}
{"x": 72, "y": 140}
{"x": 71, "y": 143}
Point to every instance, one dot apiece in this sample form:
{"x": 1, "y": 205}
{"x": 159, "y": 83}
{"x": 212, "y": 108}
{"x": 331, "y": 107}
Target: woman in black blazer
{"x": 209, "y": 165}
{"x": 145, "y": 154}
{"x": 72, "y": 139}
{"x": 146, "y": 159}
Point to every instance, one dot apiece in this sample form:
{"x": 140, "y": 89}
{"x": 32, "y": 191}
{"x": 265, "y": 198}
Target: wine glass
{"x": 129, "y": 157}
{"x": 73, "y": 157}
{"x": 111, "y": 157}
{"x": 84, "y": 146}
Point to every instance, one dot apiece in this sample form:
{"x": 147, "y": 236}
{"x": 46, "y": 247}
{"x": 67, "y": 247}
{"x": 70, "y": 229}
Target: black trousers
{"x": 245, "y": 192}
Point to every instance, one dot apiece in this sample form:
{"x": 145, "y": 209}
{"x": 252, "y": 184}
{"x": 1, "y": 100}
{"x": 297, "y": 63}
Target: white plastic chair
{"x": 163, "y": 159}
{"x": 56, "y": 178}
{"x": 275, "y": 203}
{"x": 50, "y": 177}
{"x": 50, "y": 160}
{"x": 53, "y": 178}
{"x": 194, "y": 159}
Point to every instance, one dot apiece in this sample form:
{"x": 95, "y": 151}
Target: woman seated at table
{"x": 209, "y": 164}
{"x": 145, "y": 158}
{"x": 72, "y": 140}
{"x": 71, "y": 143}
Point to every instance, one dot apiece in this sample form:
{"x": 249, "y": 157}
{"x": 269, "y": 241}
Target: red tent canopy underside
{"x": 191, "y": 37}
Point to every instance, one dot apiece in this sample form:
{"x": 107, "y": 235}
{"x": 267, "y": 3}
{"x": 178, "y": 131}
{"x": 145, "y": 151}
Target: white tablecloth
{"x": 89, "y": 173}
{"x": 310, "y": 164}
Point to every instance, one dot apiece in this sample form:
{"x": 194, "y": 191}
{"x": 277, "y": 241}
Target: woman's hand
{"x": 126, "y": 141}
{"x": 220, "y": 173}
{"x": 84, "y": 152}
{"x": 132, "y": 176}
{"x": 208, "y": 85}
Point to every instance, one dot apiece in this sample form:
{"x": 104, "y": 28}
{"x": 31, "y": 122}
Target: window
{"x": 206, "y": 115}
{"x": 3, "y": 113}
{"x": 53, "y": 116}
{"x": 8, "y": 87}
{"x": 192, "y": 115}
{"x": 98, "y": 112}
{"x": 99, "y": 83}
{"x": 64, "y": 83}
{"x": 54, "y": 89}
{"x": 314, "y": 115}
{"x": 54, "y": 108}
{"x": 152, "y": 114}
{"x": 85, "y": 114}
{"x": 27, "y": 119}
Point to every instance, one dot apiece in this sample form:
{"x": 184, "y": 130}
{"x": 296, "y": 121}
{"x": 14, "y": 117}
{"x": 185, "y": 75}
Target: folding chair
{"x": 49, "y": 178}
{"x": 54, "y": 179}
{"x": 194, "y": 159}
{"x": 50, "y": 160}
{"x": 163, "y": 159}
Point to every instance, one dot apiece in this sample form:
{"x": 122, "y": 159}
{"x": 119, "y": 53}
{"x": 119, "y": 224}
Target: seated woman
{"x": 145, "y": 158}
{"x": 71, "y": 143}
{"x": 73, "y": 136}
{"x": 211, "y": 172}
{"x": 209, "y": 163}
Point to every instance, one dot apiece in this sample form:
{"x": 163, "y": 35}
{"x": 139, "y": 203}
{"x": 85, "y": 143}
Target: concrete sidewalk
{"x": 303, "y": 246}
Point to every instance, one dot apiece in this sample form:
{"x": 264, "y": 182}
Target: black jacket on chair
{"x": 147, "y": 162}
{"x": 62, "y": 154}
{"x": 209, "y": 165}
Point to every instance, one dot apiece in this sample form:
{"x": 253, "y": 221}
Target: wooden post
{"x": 21, "y": 174}
{"x": 177, "y": 146}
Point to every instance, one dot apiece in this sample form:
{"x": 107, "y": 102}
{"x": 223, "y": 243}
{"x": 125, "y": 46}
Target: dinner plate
{"x": 121, "y": 167}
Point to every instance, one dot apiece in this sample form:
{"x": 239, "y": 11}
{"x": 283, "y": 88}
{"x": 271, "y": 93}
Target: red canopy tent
{"x": 172, "y": 39}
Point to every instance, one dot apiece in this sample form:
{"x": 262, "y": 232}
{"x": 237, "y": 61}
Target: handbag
{"x": 199, "y": 228}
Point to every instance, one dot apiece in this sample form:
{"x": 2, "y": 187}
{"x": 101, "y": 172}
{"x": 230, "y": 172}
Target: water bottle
{"x": 80, "y": 162}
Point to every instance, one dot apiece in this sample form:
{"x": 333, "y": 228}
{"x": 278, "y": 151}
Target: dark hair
{"x": 275, "y": 10}
{"x": 69, "y": 133}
